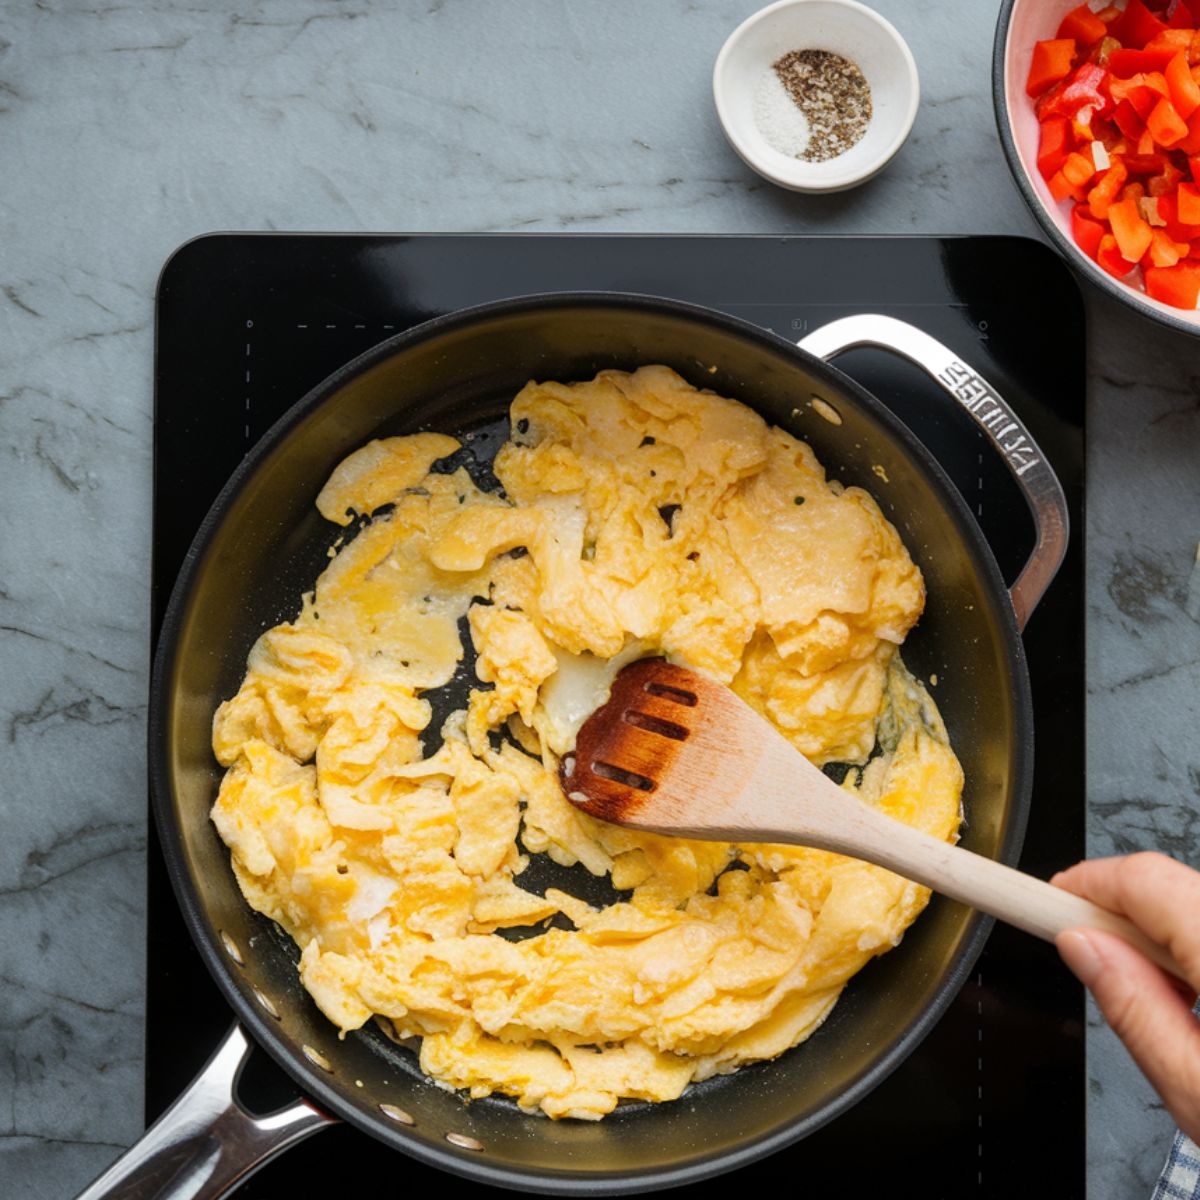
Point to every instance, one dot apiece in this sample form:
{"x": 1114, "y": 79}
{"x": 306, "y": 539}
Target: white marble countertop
{"x": 125, "y": 129}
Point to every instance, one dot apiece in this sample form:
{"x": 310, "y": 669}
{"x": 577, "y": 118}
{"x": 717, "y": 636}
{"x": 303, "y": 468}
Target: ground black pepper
{"x": 834, "y": 96}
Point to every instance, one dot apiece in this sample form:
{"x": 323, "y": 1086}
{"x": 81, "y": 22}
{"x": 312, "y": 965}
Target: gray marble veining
{"x": 126, "y": 129}
{"x": 1143, "y": 697}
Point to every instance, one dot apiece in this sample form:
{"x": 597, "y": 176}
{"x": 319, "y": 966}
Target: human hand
{"x": 1148, "y": 1010}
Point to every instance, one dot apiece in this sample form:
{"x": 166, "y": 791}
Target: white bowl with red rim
{"x": 1021, "y": 24}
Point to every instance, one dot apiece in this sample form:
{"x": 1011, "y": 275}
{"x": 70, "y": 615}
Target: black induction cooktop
{"x": 992, "y": 1102}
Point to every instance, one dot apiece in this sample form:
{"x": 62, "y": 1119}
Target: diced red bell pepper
{"x": 1187, "y": 202}
{"x": 1109, "y": 136}
{"x": 1143, "y": 91}
{"x": 1130, "y": 228}
{"x": 1053, "y": 146}
{"x": 1178, "y": 286}
{"x": 1136, "y": 26}
{"x": 1110, "y": 258}
{"x": 1125, "y": 63}
{"x": 1194, "y": 164}
{"x": 1180, "y": 16}
{"x": 1183, "y": 14}
{"x": 1191, "y": 144}
{"x": 1180, "y": 231}
{"x": 1105, "y": 192}
{"x": 1061, "y": 188}
{"x": 1165, "y": 125}
{"x": 1047, "y": 105}
{"x": 1078, "y": 168}
{"x": 1051, "y": 62}
{"x": 1082, "y": 25}
{"x": 1128, "y": 121}
{"x": 1164, "y": 252}
{"x": 1083, "y": 89}
{"x": 1180, "y": 39}
{"x": 1185, "y": 91}
{"x": 1143, "y": 164}
{"x": 1165, "y": 180}
{"x": 1086, "y": 230}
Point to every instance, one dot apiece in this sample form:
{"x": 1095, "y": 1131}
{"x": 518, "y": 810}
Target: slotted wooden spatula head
{"x": 671, "y": 751}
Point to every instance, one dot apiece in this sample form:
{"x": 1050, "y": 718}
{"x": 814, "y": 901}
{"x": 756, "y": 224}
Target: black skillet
{"x": 263, "y": 543}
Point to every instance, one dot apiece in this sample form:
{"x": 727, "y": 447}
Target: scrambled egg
{"x": 638, "y": 516}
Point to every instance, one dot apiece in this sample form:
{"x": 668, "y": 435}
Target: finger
{"x": 1159, "y": 895}
{"x": 1146, "y": 1013}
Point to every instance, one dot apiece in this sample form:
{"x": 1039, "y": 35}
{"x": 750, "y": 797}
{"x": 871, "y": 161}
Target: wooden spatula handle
{"x": 1029, "y": 903}
{"x": 1022, "y": 900}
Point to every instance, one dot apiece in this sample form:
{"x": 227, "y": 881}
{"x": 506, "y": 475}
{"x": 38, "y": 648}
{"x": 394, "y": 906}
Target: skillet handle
{"x": 1032, "y": 472}
{"x": 205, "y": 1144}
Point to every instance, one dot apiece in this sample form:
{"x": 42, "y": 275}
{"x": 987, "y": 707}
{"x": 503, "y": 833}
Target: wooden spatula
{"x": 673, "y": 752}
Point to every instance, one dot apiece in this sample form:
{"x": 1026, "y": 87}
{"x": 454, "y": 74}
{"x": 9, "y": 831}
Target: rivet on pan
{"x": 466, "y": 1143}
{"x": 396, "y": 1114}
{"x": 316, "y": 1058}
{"x": 231, "y": 948}
{"x": 267, "y": 1003}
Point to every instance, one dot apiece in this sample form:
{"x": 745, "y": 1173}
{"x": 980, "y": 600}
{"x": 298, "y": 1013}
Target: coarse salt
{"x": 778, "y": 119}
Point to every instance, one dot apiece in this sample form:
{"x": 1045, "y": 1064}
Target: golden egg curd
{"x": 638, "y": 516}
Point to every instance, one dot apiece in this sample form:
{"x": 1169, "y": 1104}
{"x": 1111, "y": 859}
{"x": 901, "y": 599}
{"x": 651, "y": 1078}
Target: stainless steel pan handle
{"x": 1025, "y": 460}
{"x": 205, "y": 1144}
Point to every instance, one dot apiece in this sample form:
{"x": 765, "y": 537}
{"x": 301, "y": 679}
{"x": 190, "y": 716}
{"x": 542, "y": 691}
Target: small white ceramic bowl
{"x": 842, "y": 27}
{"x": 1021, "y": 23}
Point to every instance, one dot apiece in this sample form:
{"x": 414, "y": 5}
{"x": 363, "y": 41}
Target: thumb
{"x": 1146, "y": 1012}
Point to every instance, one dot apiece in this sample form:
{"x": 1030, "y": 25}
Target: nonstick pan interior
{"x": 264, "y": 544}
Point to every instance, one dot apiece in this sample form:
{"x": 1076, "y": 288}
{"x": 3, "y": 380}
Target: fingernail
{"x": 1079, "y": 953}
